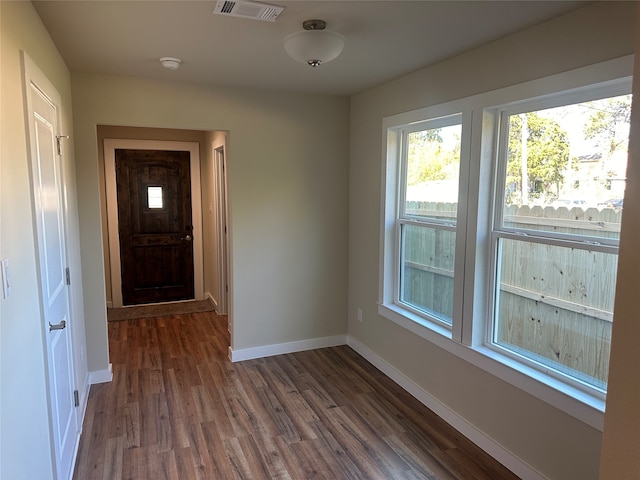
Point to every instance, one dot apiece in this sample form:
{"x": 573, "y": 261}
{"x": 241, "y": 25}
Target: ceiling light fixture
{"x": 313, "y": 45}
{"x": 170, "y": 63}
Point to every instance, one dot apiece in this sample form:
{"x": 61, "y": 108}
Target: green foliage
{"x": 547, "y": 152}
{"x": 431, "y": 158}
{"x": 604, "y": 124}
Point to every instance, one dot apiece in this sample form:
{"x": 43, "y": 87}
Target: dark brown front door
{"x": 155, "y": 226}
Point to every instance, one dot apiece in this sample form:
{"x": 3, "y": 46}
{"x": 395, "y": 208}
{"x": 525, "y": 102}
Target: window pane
{"x": 154, "y": 197}
{"x": 555, "y": 306}
{"x": 426, "y": 271}
{"x": 433, "y": 164}
{"x": 567, "y": 173}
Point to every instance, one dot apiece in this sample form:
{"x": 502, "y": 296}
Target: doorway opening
{"x": 155, "y": 253}
{"x": 145, "y": 200}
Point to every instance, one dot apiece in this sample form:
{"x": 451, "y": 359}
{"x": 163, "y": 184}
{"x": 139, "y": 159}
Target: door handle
{"x": 187, "y": 238}
{"x": 59, "y": 326}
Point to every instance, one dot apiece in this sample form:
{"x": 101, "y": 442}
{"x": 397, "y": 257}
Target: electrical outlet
{"x": 359, "y": 314}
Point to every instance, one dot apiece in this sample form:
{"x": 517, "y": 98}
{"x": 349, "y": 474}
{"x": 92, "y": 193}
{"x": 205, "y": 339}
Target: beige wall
{"x": 288, "y": 178}
{"x": 551, "y": 442}
{"x": 25, "y": 447}
{"x": 621, "y": 438}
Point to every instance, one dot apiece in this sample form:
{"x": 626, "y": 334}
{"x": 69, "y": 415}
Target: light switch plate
{"x": 6, "y": 282}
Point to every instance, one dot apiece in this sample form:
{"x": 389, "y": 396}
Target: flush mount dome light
{"x": 170, "y": 63}
{"x": 313, "y": 45}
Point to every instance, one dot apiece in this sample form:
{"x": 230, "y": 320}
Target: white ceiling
{"x": 383, "y": 39}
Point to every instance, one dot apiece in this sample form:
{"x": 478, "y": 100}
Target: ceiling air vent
{"x": 253, "y": 10}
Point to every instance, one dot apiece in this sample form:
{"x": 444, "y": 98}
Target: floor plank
{"x": 177, "y": 409}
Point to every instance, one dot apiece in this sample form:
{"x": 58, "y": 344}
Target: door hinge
{"x": 59, "y": 143}
{"x": 76, "y": 398}
{"x": 68, "y": 276}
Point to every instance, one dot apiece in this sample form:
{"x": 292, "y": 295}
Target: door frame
{"x": 110, "y": 146}
{"x": 222, "y": 215}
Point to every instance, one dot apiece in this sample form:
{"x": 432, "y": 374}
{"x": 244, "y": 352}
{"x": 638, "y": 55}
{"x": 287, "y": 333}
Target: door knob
{"x": 186, "y": 238}
{"x": 59, "y": 326}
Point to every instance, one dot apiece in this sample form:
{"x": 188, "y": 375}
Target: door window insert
{"x": 154, "y": 197}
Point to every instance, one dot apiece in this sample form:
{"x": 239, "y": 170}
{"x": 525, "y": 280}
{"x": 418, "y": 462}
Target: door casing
{"x": 110, "y": 146}
{"x": 221, "y": 227}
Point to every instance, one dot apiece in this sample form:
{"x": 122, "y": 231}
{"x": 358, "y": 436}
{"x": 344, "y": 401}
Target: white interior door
{"x": 48, "y": 189}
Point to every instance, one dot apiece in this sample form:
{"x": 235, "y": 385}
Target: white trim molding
{"x": 208, "y": 296}
{"x": 101, "y": 376}
{"x": 289, "y": 347}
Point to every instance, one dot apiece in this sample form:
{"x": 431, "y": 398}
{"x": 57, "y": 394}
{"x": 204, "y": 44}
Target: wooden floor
{"x": 177, "y": 408}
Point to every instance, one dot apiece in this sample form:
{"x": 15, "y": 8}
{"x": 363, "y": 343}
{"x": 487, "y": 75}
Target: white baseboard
{"x": 497, "y": 451}
{"x": 290, "y": 347}
{"x": 84, "y": 400}
{"x": 101, "y": 376}
{"x": 208, "y": 296}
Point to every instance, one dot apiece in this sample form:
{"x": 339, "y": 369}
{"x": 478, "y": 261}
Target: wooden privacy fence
{"x": 555, "y": 303}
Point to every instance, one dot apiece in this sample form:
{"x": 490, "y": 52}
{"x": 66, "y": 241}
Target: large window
{"x": 501, "y": 221}
{"x": 558, "y": 213}
{"x": 427, "y": 219}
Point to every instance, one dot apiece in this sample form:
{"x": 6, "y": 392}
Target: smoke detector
{"x": 248, "y": 9}
{"x": 170, "y": 63}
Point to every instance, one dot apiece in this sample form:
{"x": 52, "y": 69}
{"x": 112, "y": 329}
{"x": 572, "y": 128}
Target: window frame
{"x": 403, "y": 218}
{"x": 583, "y": 94}
{"x": 152, "y": 199}
{"x": 541, "y": 368}
{"x": 395, "y": 132}
{"x": 475, "y": 267}
{"x": 499, "y": 231}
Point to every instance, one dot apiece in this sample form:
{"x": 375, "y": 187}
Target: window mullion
{"x": 585, "y": 244}
{"x": 460, "y": 331}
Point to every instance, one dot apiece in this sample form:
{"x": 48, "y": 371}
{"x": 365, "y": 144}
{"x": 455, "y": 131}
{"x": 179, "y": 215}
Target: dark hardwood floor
{"x": 177, "y": 408}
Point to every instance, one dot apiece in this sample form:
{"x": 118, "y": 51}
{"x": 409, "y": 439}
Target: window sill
{"x": 584, "y": 406}
{"x": 414, "y": 323}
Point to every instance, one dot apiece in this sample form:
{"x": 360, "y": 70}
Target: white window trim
{"x": 467, "y": 338}
{"x": 393, "y": 130}
{"x": 434, "y": 321}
